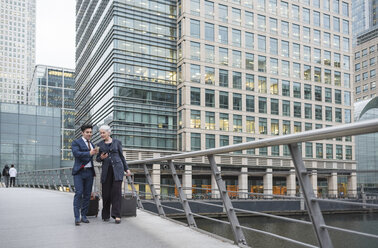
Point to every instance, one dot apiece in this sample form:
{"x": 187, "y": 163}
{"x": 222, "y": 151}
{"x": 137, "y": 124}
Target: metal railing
{"x": 40, "y": 179}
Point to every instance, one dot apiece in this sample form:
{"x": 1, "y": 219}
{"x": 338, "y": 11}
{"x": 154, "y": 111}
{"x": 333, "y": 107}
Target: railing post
{"x": 131, "y": 182}
{"x": 184, "y": 201}
{"x": 47, "y": 180}
{"x": 235, "y": 226}
{"x": 153, "y": 191}
{"x": 312, "y": 205}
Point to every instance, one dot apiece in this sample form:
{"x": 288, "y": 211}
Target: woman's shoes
{"x": 118, "y": 220}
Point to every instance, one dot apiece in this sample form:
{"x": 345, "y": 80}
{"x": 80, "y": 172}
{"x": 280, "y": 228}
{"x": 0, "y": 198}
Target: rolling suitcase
{"x": 93, "y": 207}
{"x": 128, "y": 202}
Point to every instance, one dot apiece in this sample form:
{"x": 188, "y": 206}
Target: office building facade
{"x": 246, "y": 70}
{"x": 365, "y": 65}
{"x": 17, "y": 48}
{"x": 364, "y": 16}
{"x": 30, "y": 136}
{"x": 54, "y": 87}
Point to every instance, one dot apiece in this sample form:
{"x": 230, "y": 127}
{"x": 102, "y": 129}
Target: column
{"x": 187, "y": 181}
{"x": 268, "y": 182}
{"x": 314, "y": 181}
{"x": 352, "y": 185}
{"x": 291, "y": 184}
{"x": 243, "y": 183}
{"x": 214, "y": 187}
{"x": 332, "y": 185}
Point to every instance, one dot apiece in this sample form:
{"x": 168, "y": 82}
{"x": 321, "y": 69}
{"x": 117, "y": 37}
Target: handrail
{"x": 356, "y": 128}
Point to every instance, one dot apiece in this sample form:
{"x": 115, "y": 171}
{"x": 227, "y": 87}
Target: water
{"x": 359, "y": 222}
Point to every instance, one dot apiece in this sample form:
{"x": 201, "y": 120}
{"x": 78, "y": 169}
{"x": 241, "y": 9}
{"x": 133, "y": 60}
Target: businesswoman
{"x": 113, "y": 168}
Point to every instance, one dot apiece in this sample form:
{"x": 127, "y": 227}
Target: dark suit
{"x": 83, "y": 177}
{"x": 113, "y": 168}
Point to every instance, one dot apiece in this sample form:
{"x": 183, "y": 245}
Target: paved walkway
{"x": 43, "y": 218}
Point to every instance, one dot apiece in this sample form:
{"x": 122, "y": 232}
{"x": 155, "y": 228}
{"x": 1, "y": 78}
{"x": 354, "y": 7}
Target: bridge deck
{"x": 44, "y": 218}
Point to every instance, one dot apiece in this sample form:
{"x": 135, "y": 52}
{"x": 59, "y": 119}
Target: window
{"x": 262, "y": 64}
{"x": 346, "y": 64}
{"x": 337, "y": 60}
{"x": 318, "y": 112}
{"x": 364, "y": 52}
{"x": 329, "y": 151}
{"x": 372, "y": 49}
{"x": 345, "y": 44}
{"x": 274, "y": 46}
{"x": 306, "y": 34}
{"x": 210, "y": 141}
{"x": 274, "y": 66}
{"x": 249, "y": 61}
{"x": 286, "y": 108}
{"x": 223, "y": 56}
{"x": 307, "y": 72}
{"x": 284, "y": 9}
{"x": 336, "y": 24}
{"x": 236, "y": 58}
{"x": 236, "y": 37}
{"x": 209, "y": 10}
{"x": 223, "y": 13}
{"x": 307, "y": 92}
{"x": 238, "y": 127}
{"x": 262, "y": 85}
{"x": 209, "y": 31}
{"x": 327, "y": 58}
{"x": 316, "y": 37}
{"x": 284, "y": 29}
{"x": 285, "y": 88}
{"x": 263, "y": 127}
{"x": 284, "y": 48}
{"x": 348, "y": 152}
{"x": 195, "y": 140}
{"x": 250, "y": 128}
{"x": 236, "y": 80}
{"x": 318, "y": 93}
{"x": 306, "y": 15}
{"x": 286, "y": 127}
{"x": 209, "y": 54}
{"x": 308, "y": 111}
{"x": 210, "y": 98}
{"x": 261, "y": 22}
{"x": 328, "y": 95}
{"x": 236, "y": 16}
{"x": 209, "y": 75}
{"x": 309, "y": 150}
{"x": 274, "y": 127}
{"x": 273, "y": 25}
{"x": 261, "y": 44}
{"x": 296, "y": 51}
{"x": 224, "y": 140}
{"x": 194, "y": 28}
{"x": 316, "y": 17}
{"x": 327, "y": 76}
{"x": 297, "y": 109}
{"x": 336, "y": 42}
{"x": 327, "y": 40}
{"x": 347, "y": 98}
{"x": 295, "y": 12}
{"x": 307, "y": 53}
{"x": 372, "y": 73}
{"x": 328, "y": 113}
{"x": 210, "y": 120}
{"x": 373, "y": 61}
{"x": 223, "y": 78}
{"x": 223, "y": 100}
{"x": 274, "y": 106}
{"x": 262, "y": 105}
{"x": 250, "y": 82}
{"x": 295, "y": 31}
{"x": 195, "y": 119}
{"x": 274, "y": 86}
{"x": 326, "y": 21}
{"x": 194, "y": 50}
{"x": 195, "y": 96}
{"x": 285, "y": 68}
{"x": 345, "y": 27}
{"x": 319, "y": 150}
{"x": 296, "y": 70}
{"x": 237, "y": 101}
{"x": 223, "y": 34}
{"x": 195, "y": 7}
{"x": 249, "y": 40}
{"x": 249, "y": 19}
{"x": 237, "y": 140}
{"x": 297, "y": 90}
{"x": 318, "y": 74}
{"x": 195, "y": 73}
{"x": 297, "y": 127}
{"x": 223, "y": 122}
{"x": 338, "y": 96}
{"x": 250, "y": 103}
{"x": 338, "y": 115}
{"x": 339, "y": 152}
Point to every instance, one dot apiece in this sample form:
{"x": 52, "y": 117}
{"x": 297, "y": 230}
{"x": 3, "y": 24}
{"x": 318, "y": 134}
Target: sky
{"x": 55, "y": 33}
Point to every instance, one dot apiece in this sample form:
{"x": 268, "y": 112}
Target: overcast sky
{"x": 55, "y": 33}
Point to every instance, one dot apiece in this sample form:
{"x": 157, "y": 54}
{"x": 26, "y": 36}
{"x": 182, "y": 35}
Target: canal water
{"x": 359, "y": 222}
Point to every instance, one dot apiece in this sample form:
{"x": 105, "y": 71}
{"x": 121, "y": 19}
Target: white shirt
{"x": 12, "y": 172}
{"x": 90, "y": 148}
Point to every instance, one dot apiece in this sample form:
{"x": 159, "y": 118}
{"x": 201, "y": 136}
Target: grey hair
{"x": 106, "y": 128}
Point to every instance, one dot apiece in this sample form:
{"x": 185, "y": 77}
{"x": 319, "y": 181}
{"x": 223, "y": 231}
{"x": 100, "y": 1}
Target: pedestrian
{"x": 12, "y": 174}
{"x": 6, "y": 175}
{"x": 83, "y": 173}
{"x": 114, "y": 167}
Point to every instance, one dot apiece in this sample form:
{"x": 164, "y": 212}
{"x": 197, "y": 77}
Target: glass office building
{"x": 367, "y": 147}
{"x": 127, "y": 77}
{"x": 17, "y": 48}
{"x": 364, "y": 16}
{"x": 30, "y": 136}
{"x": 54, "y": 87}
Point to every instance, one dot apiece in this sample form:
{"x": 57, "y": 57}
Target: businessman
{"x": 83, "y": 173}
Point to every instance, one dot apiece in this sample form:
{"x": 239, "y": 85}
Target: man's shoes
{"x": 77, "y": 222}
{"x": 84, "y": 220}
{"x": 106, "y": 220}
{"x": 118, "y": 220}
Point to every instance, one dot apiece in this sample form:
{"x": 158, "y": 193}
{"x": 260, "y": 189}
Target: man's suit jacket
{"x": 82, "y": 156}
{"x": 115, "y": 158}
